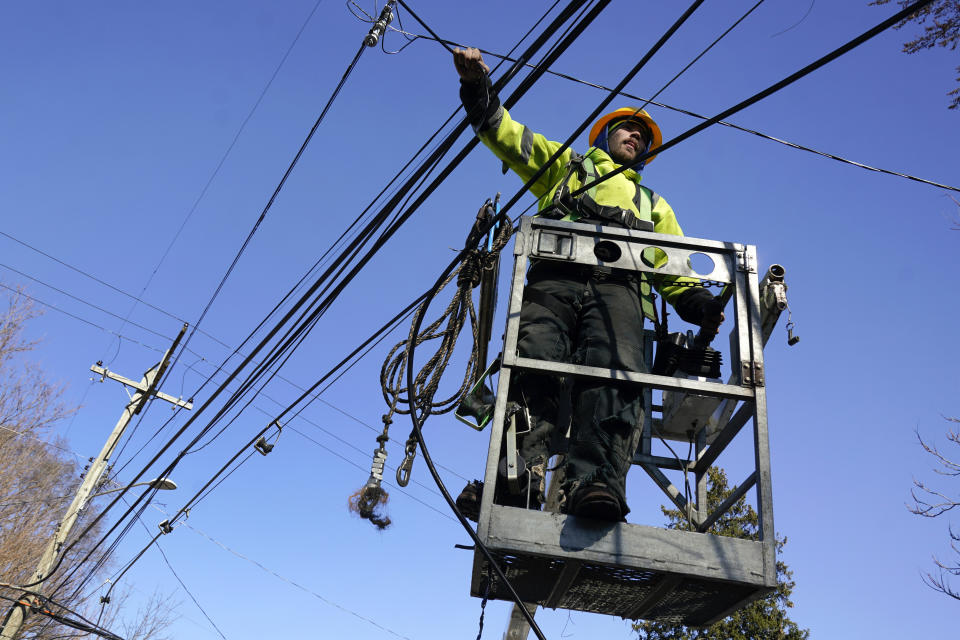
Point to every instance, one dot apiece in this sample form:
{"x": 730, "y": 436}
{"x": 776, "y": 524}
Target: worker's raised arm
{"x": 520, "y": 149}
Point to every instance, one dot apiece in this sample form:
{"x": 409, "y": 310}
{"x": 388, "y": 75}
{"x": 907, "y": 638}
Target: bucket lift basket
{"x": 630, "y": 570}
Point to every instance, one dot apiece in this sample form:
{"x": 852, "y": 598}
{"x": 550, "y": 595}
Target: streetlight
{"x": 164, "y": 484}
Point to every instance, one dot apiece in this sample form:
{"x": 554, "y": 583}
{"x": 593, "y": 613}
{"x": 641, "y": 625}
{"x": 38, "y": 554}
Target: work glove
{"x": 480, "y": 101}
{"x": 698, "y": 306}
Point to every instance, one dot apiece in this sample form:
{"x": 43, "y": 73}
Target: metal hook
{"x": 403, "y": 471}
{"x": 791, "y": 339}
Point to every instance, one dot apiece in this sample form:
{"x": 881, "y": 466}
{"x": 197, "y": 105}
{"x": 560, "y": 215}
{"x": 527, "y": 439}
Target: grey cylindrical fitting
{"x": 774, "y": 273}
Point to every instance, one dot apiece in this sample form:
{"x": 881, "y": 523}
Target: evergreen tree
{"x": 764, "y": 619}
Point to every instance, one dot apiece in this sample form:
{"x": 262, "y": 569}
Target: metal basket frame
{"x": 630, "y": 570}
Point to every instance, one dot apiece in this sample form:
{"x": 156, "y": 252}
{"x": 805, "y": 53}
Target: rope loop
{"x": 487, "y": 237}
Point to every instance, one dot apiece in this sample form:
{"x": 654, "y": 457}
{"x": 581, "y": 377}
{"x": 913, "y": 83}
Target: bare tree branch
{"x": 932, "y": 503}
{"x": 35, "y": 475}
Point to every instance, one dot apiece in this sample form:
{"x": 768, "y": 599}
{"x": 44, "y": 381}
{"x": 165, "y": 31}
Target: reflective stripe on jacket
{"x": 525, "y": 152}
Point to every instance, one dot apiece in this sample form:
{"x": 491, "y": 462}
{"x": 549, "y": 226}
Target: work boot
{"x": 595, "y": 501}
{"x": 468, "y": 502}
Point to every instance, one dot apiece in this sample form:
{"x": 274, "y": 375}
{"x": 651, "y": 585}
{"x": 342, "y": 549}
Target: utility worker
{"x": 583, "y": 314}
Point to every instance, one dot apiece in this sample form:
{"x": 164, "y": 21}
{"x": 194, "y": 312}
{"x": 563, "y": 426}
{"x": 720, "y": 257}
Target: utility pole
{"x": 517, "y": 626}
{"x": 145, "y": 389}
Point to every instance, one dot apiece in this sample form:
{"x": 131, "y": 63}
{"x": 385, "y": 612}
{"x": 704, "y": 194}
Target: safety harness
{"x": 585, "y": 208}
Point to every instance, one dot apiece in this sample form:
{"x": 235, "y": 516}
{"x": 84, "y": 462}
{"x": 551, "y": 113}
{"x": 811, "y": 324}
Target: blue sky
{"x": 115, "y": 116}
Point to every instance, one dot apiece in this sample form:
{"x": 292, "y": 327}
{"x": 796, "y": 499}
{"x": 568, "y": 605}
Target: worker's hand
{"x": 712, "y": 317}
{"x": 469, "y": 64}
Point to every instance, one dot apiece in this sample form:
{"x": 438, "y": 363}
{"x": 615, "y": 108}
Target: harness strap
{"x": 586, "y": 207}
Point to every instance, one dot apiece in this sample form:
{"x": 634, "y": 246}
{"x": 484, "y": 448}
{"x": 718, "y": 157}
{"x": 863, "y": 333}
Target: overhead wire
{"x": 114, "y": 580}
{"x": 49, "y": 444}
{"x": 77, "y": 621}
{"x": 170, "y": 466}
{"x": 278, "y": 306}
{"x": 797, "y": 23}
{"x": 293, "y": 583}
{"x": 401, "y": 217}
{"x": 207, "y": 489}
{"x": 305, "y": 436}
{"x": 166, "y": 472}
{"x": 83, "y": 301}
{"x": 190, "y": 593}
{"x": 91, "y": 570}
{"x": 405, "y": 204}
{"x": 142, "y": 415}
{"x": 272, "y": 199}
{"x": 705, "y": 51}
{"x": 76, "y": 317}
{"x": 281, "y": 577}
{"x": 81, "y": 319}
{"x": 86, "y": 274}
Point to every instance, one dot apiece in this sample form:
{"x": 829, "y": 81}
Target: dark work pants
{"x": 607, "y": 332}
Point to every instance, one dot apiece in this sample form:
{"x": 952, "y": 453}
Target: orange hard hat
{"x": 626, "y": 113}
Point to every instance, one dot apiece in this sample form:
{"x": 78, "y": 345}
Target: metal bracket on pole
{"x": 752, "y": 373}
{"x": 146, "y": 390}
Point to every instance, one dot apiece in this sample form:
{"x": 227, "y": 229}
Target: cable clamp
{"x": 380, "y": 26}
{"x": 165, "y": 527}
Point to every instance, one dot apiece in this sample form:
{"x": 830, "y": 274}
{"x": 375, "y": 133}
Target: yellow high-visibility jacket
{"x": 525, "y": 152}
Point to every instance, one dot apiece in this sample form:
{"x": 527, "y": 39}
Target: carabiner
{"x": 403, "y": 471}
